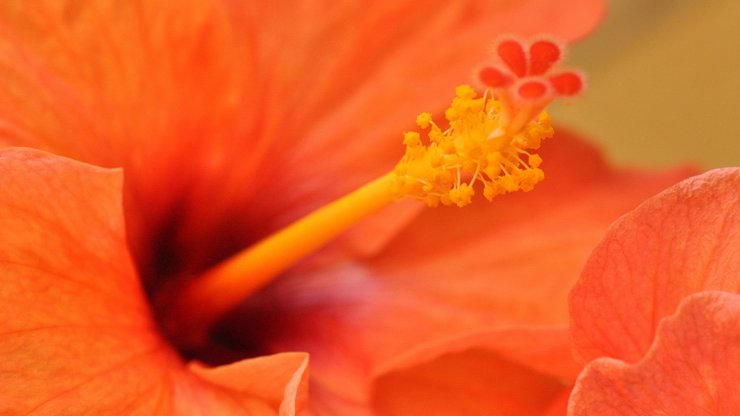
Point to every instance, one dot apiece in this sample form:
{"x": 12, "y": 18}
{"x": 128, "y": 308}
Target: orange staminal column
{"x": 213, "y": 294}
{"x": 487, "y": 148}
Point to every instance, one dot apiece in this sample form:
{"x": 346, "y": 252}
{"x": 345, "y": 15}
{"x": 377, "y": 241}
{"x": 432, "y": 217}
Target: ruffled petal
{"x": 691, "y": 368}
{"x": 76, "y": 334}
{"x": 683, "y": 241}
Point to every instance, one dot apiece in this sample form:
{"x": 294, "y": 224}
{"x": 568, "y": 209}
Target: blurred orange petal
{"x": 544, "y": 350}
{"x": 472, "y": 382}
{"x": 213, "y": 104}
{"x": 559, "y": 406}
{"x": 681, "y": 242}
{"x": 77, "y": 336}
{"x": 506, "y": 372}
{"x": 691, "y": 368}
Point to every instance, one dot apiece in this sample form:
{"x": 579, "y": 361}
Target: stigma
{"x": 490, "y": 141}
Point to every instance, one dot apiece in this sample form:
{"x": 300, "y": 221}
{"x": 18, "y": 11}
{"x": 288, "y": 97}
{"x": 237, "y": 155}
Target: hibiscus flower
{"x": 230, "y": 120}
{"x": 673, "y": 348}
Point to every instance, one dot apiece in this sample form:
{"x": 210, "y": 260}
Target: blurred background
{"x": 663, "y": 83}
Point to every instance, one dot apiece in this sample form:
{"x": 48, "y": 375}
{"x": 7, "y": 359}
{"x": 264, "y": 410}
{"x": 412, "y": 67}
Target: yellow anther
{"x": 423, "y": 120}
{"x": 465, "y": 91}
{"x": 411, "y": 139}
{"x": 478, "y": 149}
{"x": 462, "y": 195}
{"x": 534, "y": 161}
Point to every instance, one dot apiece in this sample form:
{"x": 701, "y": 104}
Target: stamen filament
{"x": 210, "y": 296}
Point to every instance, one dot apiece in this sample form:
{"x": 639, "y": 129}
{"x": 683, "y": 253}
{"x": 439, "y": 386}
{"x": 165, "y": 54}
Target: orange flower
{"x": 672, "y": 348}
{"x": 231, "y": 119}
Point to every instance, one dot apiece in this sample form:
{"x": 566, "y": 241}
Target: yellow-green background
{"x": 663, "y": 83}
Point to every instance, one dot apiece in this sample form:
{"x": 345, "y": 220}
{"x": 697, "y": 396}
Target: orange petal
{"x": 358, "y": 79}
{"x": 383, "y": 71}
{"x": 76, "y": 335}
{"x": 544, "y": 350}
{"x": 211, "y": 105}
{"x": 559, "y": 406}
{"x": 683, "y": 241}
{"x": 164, "y": 88}
{"x": 257, "y": 377}
{"x": 691, "y": 368}
{"x": 476, "y": 376}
